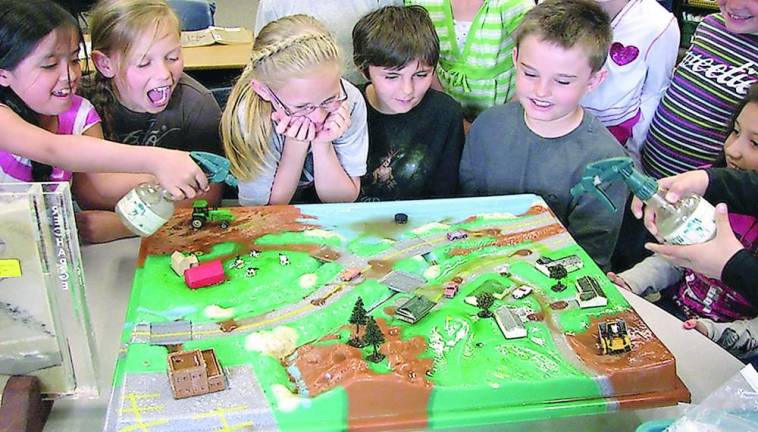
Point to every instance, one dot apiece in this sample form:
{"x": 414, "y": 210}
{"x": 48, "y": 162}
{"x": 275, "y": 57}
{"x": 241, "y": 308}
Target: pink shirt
{"x": 80, "y": 117}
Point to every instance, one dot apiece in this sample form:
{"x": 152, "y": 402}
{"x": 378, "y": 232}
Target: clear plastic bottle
{"x": 145, "y": 208}
{"x": 688, "y": 221}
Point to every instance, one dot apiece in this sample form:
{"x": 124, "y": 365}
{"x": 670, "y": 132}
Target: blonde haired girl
{"x": 291, "y": 122}
{"x": 144, "y": 98}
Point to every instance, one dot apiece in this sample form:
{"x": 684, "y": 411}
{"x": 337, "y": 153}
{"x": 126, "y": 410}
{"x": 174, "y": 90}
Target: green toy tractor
{"x": 202, "y": 214}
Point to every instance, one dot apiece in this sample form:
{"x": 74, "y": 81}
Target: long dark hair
{"x": 23, "y": 24}
{"x": 751, "y": 97}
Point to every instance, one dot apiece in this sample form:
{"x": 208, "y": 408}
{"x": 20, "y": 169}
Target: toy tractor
{"x": 613, "y": 337}
{"x": 202, "y": 214}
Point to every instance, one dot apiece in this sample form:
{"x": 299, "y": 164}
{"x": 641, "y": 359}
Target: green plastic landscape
{"x": 281, "y": 335}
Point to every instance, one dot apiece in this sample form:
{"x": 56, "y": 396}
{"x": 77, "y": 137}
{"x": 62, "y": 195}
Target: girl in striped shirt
{"x": 476, "y": 64}
{"x": 689, "y": 126}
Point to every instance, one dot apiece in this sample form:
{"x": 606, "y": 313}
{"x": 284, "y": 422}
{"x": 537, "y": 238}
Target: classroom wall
{"x": 236, "y": 13}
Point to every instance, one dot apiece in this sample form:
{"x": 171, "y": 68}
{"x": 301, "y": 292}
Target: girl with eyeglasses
{"x": 293, "y": 128}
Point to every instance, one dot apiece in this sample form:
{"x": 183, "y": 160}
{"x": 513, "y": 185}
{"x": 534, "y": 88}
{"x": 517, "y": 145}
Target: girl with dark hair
{"x": 713, "y": 296}
{"x": 40, "y": 116}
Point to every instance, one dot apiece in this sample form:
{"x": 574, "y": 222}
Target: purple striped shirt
{"x": 689, "y": 126}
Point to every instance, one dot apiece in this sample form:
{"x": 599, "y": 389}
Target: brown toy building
{"x": 194, "y": 373}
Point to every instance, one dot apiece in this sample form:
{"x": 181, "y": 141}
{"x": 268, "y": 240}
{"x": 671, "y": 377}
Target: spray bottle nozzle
{"x": 610, "y": 170}
{"x": 215, "y": 166}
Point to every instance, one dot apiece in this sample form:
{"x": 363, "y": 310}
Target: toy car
{"x": 451, "y": 289}
{"x": 521, "y": 292}
{"x": 613, "y": 337}
{"x": 456, "y": 235}
{"x": 349, "y": 274}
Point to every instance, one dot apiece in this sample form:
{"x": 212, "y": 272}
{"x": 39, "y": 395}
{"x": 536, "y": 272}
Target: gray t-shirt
{"x": 351, "y": 149}
{"x": 339, "y": 16}
{"x": 503, "y": 156}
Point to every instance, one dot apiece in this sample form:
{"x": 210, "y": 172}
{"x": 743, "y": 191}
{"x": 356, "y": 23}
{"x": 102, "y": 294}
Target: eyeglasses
{"x": 330, "y": 105}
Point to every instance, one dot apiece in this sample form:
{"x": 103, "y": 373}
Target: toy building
{"x": 510, "y": 323}
{"x": 181, "y": 262}
{"x": 414, "y": 309}
{"x": 589, "y": 293}
{"x": 194, "y": 373}
{"x": 558, "y": 268}
{"x": 205, "y": 274}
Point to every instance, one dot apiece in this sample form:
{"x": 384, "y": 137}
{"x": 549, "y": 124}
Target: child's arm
{"x": 175, "y": 170}
{"x": 340, "y": 148}
{"x": 661, "y": 58}
{"x": 288, "y": 171}
{"x": 652, "y": 275}
{"x": 594, "y": 227}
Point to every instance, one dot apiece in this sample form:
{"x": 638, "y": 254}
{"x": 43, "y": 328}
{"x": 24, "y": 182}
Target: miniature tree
{"x": 374, "y": 337}
{"x": 359, "y": 317}
{"x": 485, "y": 301}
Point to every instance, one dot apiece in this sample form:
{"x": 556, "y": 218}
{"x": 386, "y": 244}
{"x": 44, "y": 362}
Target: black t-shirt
{"x": 414, "y": 155}
{"x": 190, "y": 121}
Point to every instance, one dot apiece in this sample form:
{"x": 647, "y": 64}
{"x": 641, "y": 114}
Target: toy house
{"x": 194, "y": 373}
{"x": 181, "y": 262}
{"x": 205, "y": 274}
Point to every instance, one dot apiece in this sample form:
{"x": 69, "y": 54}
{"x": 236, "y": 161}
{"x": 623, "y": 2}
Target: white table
{"x": 109, "y": 268}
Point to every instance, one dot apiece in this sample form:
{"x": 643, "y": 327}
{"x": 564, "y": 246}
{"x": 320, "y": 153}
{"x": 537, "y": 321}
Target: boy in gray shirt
{"x": 541, "y": 143}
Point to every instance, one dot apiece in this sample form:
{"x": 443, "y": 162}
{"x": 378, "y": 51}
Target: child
{"x": 476, "y": 67}
{"x": 339, "y": 16}
{"x": 39, "y": 73}
{"x": 542, "y": 143}
{"x": 639, "y": 65}
{"x": 713, "y": 293}
{"x": 689, "y": 127}
{"x": 319, "y": 138}
{"x": 144, "y": 99}
{"x": 416, "y": 133}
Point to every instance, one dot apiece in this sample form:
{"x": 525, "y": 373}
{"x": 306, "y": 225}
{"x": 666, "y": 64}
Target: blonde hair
{"x": 115, "y": 25}
{"x": 286, "y": 48}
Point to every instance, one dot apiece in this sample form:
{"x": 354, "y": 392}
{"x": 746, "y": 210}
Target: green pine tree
{"x": 359, "y": 318}
{"x": 374, "y": 337}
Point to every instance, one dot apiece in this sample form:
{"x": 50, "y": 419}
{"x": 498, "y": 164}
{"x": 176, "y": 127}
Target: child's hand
{"x": 335, "y": 125}
{"x": 618, "y": 281}
{"x": 179, "y": 174}
{"x": 299, "y": 128}
{"x": 708, "y": 258}
{"x": 676, "y": 186}
{"x": 97, "y": 226}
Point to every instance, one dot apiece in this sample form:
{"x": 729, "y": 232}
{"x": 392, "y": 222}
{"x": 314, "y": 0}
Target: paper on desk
{"x": 216, "y": 35}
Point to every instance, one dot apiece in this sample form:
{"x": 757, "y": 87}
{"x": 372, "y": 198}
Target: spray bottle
{"x": 148, "y": 206}
{"x": 691, "y": 220}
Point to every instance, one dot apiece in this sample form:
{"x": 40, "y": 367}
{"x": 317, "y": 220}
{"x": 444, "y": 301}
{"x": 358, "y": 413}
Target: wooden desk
{"x": 214, "y": 57}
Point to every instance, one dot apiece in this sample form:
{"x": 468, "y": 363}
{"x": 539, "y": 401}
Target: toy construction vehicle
{"x": 613, "y": 337}
{"x": 202, "y": 214}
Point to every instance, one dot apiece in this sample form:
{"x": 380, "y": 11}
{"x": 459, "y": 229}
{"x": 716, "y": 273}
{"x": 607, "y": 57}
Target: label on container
{"x": 141, "y": 216}
{"x": 699, "y": 228}
{"x": 10, "y": 267}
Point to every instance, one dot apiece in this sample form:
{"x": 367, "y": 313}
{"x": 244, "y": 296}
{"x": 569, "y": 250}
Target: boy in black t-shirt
{"x": 415, "y": 133}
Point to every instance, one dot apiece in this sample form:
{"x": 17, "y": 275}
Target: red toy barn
{"x": 205, "y": 274}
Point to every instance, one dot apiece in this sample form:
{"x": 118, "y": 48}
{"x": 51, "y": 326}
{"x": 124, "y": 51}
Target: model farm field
{"x": 378, "y": 316}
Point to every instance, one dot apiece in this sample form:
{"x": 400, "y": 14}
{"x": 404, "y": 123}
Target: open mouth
{"x": 159, "y": 96}
{"x": 64, "y": 92}
{"x": 541, "y": 104}
{"x": 732, "y": 165}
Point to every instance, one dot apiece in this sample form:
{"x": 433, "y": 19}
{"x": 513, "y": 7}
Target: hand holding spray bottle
{"x": 690, "y": 220}
{"x": 148, "y": 206}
